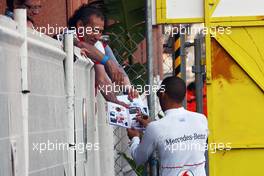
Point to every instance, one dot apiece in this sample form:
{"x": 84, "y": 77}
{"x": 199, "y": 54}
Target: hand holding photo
{"x": 119, "y": 115}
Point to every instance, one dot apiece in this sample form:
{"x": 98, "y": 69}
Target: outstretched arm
{"x": 141, "y": 151}
{"x": 105, "y": 85}
{"x": 115, "y": 72}
{"x": 132, "y": 93}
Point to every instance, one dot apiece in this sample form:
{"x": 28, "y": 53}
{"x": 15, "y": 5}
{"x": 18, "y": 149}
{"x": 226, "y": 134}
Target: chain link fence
{"x": 134, "y": 63}
{"x": 124, "y": 52}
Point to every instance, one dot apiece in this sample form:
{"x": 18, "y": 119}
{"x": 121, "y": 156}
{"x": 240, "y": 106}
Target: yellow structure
{"x": 235, "y": 84}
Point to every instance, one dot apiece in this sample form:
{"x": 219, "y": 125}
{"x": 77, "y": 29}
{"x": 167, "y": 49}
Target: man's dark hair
{"x": 84, "y": 13}
{"x": 175, "y": 88}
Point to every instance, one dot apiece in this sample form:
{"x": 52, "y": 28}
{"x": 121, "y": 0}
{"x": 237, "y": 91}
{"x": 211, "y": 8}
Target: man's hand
{"x": 143, "y": 120}
{"x": 122, "y": 103}
{"x": 89, "y": 50}
{"x": 132, "y": 133}
{"x": 132, "y": 93}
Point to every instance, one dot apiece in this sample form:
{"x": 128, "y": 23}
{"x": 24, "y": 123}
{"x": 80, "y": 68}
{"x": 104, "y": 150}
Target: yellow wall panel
{"x": 245, "y": 45}
{"x": 237, "y": 162}
{"x": 235, "y": 102}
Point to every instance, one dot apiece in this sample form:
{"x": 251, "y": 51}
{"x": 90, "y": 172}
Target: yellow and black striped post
{"x": 177, "y": 55}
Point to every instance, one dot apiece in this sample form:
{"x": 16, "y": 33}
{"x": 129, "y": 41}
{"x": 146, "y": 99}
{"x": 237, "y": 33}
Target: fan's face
{"x": 97, "y": 26}
{"x": 33, "y": 8}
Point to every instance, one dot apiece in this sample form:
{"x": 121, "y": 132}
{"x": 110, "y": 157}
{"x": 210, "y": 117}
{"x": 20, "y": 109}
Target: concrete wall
{"x": 42, "y": 120}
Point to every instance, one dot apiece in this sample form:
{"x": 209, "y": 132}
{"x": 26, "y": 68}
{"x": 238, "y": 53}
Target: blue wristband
{"x": 105, "y": 59}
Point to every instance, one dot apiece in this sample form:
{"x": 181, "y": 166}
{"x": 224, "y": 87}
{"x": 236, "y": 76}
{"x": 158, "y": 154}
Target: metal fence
{"x": 137, "y": 75}
{"x": 134, "y": 63}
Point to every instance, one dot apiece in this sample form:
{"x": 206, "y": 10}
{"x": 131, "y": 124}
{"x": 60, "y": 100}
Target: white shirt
{"x": 180, "y": 139}
{"x": 100, "y": 46}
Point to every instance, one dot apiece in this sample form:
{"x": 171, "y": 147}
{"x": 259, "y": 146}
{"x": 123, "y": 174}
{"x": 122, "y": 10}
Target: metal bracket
{"x": 72, "y": 145}
{"x": 25, "y": 91}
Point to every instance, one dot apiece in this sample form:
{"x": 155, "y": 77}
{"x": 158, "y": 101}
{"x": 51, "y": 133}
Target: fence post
{"x": 151, "y": 100}
{"x": 68, "y": 47}
{"x": 20, "y": 16}
{"x": 198, "y": 69}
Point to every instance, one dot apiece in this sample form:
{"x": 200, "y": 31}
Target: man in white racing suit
{"x": 179, "y": 138}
